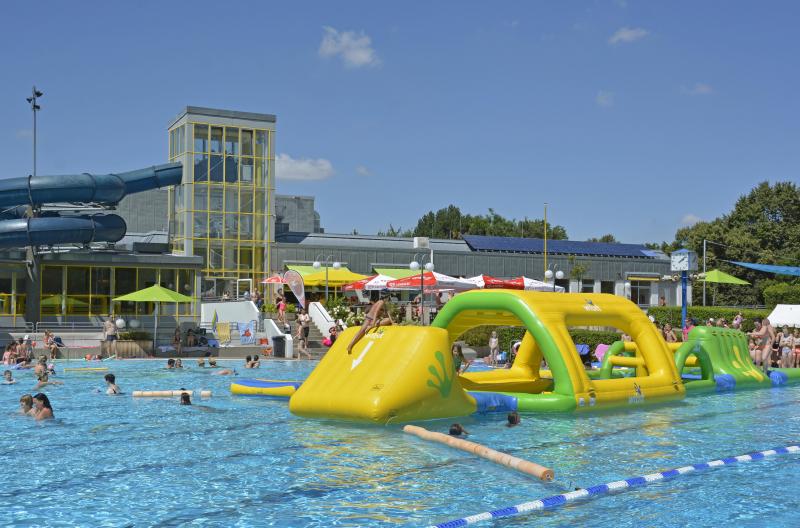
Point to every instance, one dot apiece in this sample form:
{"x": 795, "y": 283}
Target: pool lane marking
{"x": 601, "y": 489}
{"x": 358, "y": 360}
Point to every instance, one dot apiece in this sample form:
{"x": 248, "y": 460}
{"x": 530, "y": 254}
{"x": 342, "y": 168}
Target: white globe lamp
{"x": 548, "y": 274}
{"x": 337, "y": 265}
{"x": 120, "y": 323}
{"x": 429, "y": 266}
{"x": 559, "y": 275}
{"x": 414, "y": 265}
{"x": 316, "y": 265}
{"x": 134, "y": 323}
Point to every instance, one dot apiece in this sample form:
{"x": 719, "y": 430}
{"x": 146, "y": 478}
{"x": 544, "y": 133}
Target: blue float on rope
{"x": 601, "y": 489}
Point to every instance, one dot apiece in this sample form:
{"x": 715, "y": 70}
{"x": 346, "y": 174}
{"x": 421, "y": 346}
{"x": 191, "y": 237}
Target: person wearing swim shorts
{"x": 371, "y": 320}
{"x": 785, "y": 343}
{"x": 764, "y": 338}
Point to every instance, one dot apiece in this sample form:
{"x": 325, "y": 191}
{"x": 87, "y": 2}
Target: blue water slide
{"x": 51, "y": 228}
{"x": 106, "y": 189}
{"x": 55, "y": 230}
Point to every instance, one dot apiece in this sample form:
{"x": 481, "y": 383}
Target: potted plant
{"x": 134, "y": 344}
{"x": 291, "y": 311}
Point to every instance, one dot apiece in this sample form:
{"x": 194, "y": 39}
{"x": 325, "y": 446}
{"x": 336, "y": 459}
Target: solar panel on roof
{"x": 570, "y": 247}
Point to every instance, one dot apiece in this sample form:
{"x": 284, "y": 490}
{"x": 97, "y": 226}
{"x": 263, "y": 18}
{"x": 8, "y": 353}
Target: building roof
{"x": 342, "y": 241}
{"x": 217, "y": 112}
{"x": 563, "y": 247}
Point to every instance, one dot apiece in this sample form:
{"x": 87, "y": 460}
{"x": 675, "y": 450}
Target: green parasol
{"x": 155, "y": 294}
{"x": 723, "y": 278}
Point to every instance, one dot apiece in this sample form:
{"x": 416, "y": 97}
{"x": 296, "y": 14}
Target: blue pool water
{"x": 246, "y": 461}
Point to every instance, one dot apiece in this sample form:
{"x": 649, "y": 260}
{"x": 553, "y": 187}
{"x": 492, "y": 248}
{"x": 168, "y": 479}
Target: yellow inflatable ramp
{"x": 394, "y": 374}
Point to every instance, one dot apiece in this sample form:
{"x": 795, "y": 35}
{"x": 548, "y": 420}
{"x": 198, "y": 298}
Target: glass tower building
{"x": 224, "y": 210}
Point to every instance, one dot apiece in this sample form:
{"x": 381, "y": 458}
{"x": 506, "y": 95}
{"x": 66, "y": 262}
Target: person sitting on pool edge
{"x": 458, "y": 430}
{"x": 43, "y": 409}
{"x": 111, "y": 382}
{"x": 513, "y": 419}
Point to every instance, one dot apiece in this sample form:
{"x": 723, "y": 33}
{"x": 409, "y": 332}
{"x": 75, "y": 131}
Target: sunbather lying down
{"x": 371, "y": 320}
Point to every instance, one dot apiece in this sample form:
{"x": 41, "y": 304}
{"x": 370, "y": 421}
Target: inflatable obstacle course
{"x": 406, "y": 373}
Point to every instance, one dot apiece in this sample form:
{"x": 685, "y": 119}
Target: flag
{"x": 295, "y": 282}
{"x": 214, "y": 321}
{"x": 247, "y": 333}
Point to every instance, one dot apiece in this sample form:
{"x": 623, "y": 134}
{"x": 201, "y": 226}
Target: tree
{"x": 764, "y": 227}
{"x": 451, "y": 223}
{"x": 577, "y": 271}
{"x": 608, "y": 239}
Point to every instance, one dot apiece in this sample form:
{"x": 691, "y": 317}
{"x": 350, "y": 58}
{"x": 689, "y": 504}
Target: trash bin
{"x": 278, "y": 346}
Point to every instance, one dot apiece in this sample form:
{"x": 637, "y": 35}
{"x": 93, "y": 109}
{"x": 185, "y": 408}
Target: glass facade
{"x": 88, "y": 290}
{"x": 12, "y": 293}
{"x": 222, "y": 210}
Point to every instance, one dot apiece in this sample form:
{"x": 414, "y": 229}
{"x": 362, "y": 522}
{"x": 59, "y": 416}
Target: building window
{"x": 587, "y": 286}
{"x": 607, "y": 287}
{"x": 640, "y": 292}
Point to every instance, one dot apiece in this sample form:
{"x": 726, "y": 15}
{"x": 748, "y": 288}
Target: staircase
{"x": 315, "y": 337}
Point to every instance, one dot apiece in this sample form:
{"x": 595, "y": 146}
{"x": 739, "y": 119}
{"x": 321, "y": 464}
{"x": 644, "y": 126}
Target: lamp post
{"x": 548, "y": 274}
{"x": 422, "y": 266}
{"x": 35, "y": 94}
{"x": 327, "y": 262}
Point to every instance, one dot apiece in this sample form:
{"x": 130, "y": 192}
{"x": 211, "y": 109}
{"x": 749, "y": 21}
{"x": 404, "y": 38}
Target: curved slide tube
{"x": 86, "y": 188}
{"x": 50, "y": 231}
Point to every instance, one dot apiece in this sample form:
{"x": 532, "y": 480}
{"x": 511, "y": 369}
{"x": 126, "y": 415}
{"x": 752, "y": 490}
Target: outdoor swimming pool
{"x": 246, "y": 461}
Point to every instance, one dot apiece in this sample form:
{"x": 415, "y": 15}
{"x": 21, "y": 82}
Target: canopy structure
{"x": 721, "y": 277}
{"x": 375, "y": 282}
{"x": 487, "y": 281}
{"x": 526, "y": 283}
{"x": 769, "y": 268}
{"x": 785, "y": 314}
{"x": 155, "y": 294}
{"x": 396, "y": 273}
{"x": 335, "y": 277}
{"x": 430, "y": 281}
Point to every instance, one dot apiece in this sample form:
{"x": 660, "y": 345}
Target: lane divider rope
{"x": 556, "y": 501}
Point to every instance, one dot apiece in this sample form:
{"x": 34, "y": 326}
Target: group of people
{"x": 772, "y": 348}
{"x": 19, "y": 351}
{"x": 37, "y": 406}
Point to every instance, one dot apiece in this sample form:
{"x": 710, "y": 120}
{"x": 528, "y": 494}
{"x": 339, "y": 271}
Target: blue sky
{"x": 629, "y": 117}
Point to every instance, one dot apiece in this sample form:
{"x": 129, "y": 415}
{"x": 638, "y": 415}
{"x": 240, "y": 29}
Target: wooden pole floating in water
{"x": 169, "y": 393}
{"x": 523, "y": 466}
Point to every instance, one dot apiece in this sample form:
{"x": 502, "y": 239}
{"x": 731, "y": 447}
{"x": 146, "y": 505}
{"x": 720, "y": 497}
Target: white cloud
{"x": 354, "y": 48}
{"x": 604, "y": 98}
{"x": 698, "y": 89}
{"x": 304, "y": 169}
{"x": 24, "y": 133}
{"x": 363, "y": 171}
{"x": 626, "y": 35}
{"x": 690, "y": 219}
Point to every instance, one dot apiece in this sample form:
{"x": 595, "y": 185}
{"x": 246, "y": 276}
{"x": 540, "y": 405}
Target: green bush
{"x": 672, "y": 315}
{"x": 781, "y": 293}
{"x": 136, "y": 335}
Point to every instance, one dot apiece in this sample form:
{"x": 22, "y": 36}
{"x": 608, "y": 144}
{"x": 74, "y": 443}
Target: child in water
{"x": 111, "y": 383}
{"x": 8, "y": 379}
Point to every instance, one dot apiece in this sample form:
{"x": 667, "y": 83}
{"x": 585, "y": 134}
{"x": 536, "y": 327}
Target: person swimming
{"x": 212, "y": 362}
{"x": 111, "y": 382}
{"x": 225, "y": 372}
{"x": 256, "y": 363}
{"x": 8, "y": 379}
{"x": 44, "y": 380}
{"x": 248, "y": 362}
{"x": 178, "y": 363}
{"x": 43, "y": 409}
{"x": 186, "y": 399}
{"x": 170, "y": 363}
{"x": 458, "y": 430}
{"x": 513, "y": 419}
{"x": 26, "y": 405}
